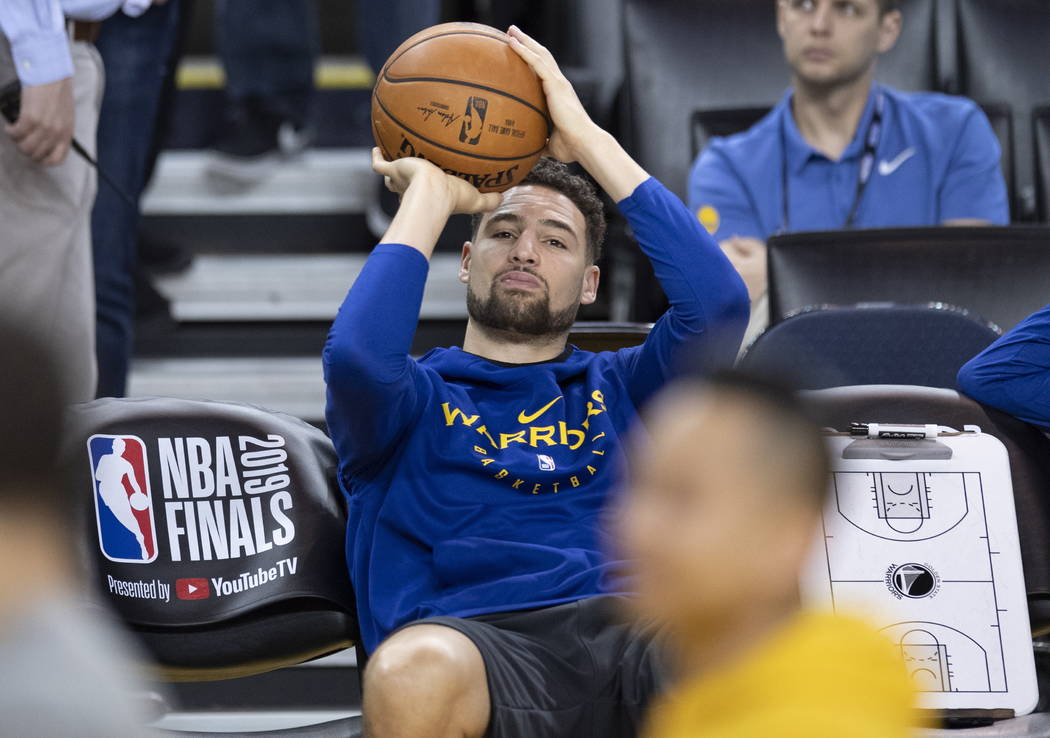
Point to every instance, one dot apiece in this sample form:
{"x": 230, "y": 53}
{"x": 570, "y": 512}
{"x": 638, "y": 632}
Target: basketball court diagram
{"x": 901, "y": 506}
{"x": 913, "y": 519}
{"x": 929, "y": 657}
{"x": 927, "y": 550}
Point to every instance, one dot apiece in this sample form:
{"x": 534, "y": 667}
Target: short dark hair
{"x": 888, "y": 6}
{"x": 789, "y": 437}
{"x": 32, "y": 403}
{"x": 556, "y": 175}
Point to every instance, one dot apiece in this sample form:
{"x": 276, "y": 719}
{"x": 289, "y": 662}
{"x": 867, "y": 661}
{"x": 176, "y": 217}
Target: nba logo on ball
{"x": 123, "y": 500}
{"x": 473, "y": 120}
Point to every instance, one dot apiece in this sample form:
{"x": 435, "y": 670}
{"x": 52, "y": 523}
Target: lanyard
{"x": 867, "y": 165}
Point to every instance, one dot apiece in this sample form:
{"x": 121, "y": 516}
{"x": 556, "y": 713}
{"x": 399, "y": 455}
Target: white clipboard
{"x": 920, "y": 537}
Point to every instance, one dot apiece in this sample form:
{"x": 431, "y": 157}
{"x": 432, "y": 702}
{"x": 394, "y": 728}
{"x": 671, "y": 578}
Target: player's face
{"x": 707, "y": 539}
{"x": 527, "y": 270}
{"x": 834, "y": 42}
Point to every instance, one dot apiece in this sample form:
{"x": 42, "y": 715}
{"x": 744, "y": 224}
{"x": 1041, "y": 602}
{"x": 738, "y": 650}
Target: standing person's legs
{"x": 269, "y": 49}
{"x": 137, "y": 53}
{"x": 382, "y": 26}
{"x": 45, "y": 239}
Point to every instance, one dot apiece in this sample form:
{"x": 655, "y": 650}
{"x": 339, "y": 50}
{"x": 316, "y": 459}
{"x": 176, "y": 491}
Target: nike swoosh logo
{"x": 886, "y": 168}
{"x": 525, "y": 419}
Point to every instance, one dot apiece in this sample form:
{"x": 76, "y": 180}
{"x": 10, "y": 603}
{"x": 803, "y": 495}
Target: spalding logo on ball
{"x": 456, "y": 94}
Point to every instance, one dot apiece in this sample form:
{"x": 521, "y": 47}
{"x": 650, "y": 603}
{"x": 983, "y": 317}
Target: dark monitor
{"x": 1001, "y": 274}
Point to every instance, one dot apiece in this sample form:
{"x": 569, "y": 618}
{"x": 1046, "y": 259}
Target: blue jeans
{"x": 382, "y": 26}
{"x": 269, "y": 47}
{"x": 137, "y": 54}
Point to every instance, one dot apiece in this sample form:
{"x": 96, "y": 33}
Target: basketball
{"x": 458, "y": 95}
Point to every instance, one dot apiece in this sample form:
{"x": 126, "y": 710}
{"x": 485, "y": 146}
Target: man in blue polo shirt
{"x": 841, "y": 151}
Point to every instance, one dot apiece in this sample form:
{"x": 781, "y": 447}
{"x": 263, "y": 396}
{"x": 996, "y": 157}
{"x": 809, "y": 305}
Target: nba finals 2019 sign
{"x": 191, "y": 528}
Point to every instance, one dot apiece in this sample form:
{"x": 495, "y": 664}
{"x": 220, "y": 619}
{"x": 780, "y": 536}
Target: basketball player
{"x": 843, "y": 151}
{"x": 112, "y": 470}
{"x": 477, "y": 476}
{"x": 1013, "y": 374}
{"x": 724, "y": 503}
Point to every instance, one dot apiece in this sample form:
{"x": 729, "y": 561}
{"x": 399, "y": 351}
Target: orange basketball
{"x": 456, "y": 94}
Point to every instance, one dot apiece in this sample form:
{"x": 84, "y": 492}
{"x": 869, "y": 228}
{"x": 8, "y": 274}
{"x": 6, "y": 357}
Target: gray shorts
{"x": 575, "y": 670}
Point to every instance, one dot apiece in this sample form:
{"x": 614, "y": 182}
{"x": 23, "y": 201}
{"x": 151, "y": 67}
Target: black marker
{"x": 894, "y": 432}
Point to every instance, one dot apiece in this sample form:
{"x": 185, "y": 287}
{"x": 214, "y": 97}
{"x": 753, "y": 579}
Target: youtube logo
{"x": 192, "y": 589}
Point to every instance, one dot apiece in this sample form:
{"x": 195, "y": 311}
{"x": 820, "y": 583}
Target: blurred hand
{"x": 457, "y": 195}
{"x": 748, "y": 256}
{"x": 44, "y": 129}
{"x": 573, "y": 127}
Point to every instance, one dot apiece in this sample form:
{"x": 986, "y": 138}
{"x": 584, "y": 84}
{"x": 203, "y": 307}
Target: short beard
{"x": 526, "y": 318}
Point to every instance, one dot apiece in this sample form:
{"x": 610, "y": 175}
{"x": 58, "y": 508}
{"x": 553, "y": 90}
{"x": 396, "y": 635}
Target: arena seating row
{"x": 258, "y": 628}
{"x": 999, "y": 274}
{"x": 872, "y": 344}
{"x": 716, "y": 65}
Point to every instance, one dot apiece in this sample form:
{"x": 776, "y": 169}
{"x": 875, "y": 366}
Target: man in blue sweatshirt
{"x": 477, "y": 476}
{"x": 1013, "y": 374}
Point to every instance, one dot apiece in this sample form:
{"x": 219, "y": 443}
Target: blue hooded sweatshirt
{"x": 475, "y": 486}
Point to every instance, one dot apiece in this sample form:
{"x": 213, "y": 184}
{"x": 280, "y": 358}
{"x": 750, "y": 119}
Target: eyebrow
{"x": 516, "y": 220}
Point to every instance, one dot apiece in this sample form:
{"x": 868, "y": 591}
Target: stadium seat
{"x": 1028, "y": 448}
{"x": 685, "y": 56}
{"x": 596, "y": 30}
{"x": 872, "y": 344}
{"x": 1041, "y": 124}
{"x": 602, "y": 336}
{"x": 230, "y": 562}
{"x": 997, "y": 273}
{"x": 1002, "y": 58}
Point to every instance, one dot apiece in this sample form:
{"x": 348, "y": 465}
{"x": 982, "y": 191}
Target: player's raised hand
{"x": 572, "y": 125}
{"x": 450, "y": 193}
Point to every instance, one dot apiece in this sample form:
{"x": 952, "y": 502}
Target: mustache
{"x": 524, "y": 270}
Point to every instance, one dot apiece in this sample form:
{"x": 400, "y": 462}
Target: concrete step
{"x": 317, "y": 181}
{"x": 291, "y": 385}
{"x": 247, "y": 721}
{"x": 292, "y": 287}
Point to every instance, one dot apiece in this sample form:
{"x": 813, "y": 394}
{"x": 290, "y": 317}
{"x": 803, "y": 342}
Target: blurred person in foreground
{"x": 1013, "y": 374}
{"x": 725, "y": 501}
{"x": 843, "y": 151}
{"x": 62, "y": 663}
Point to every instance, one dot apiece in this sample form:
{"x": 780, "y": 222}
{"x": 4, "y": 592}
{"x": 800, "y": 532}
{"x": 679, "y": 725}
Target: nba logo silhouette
{"x": 473, "y": 120}
{"x": 123, "y": 501}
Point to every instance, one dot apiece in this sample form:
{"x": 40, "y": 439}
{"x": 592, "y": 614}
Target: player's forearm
{"x": 371, "y": 337}
{"x": 1013, "y": 372}
{"x": 420, "y": 218}
{"x": 612, "y": 168}
{"x": 697, "y": 277}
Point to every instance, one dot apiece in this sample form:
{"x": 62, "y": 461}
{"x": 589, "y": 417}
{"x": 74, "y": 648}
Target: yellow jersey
{"x": 821, "y": 676}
